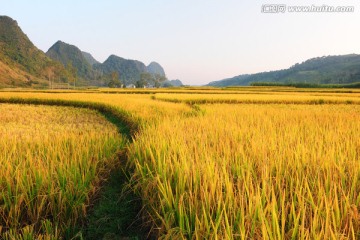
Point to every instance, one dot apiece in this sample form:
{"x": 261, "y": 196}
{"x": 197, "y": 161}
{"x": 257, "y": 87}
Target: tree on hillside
{"x": 49, "y": 72}
{"x": 140, "y": 83}
{"x": 149, "y": 78}
{"x": 114, "y": 80}
{"x": 145, "y": 78}
{"x": 158, "y": 79}
{"x": 71, "y": 73}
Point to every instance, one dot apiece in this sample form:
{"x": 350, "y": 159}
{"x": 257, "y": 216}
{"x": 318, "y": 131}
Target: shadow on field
{"x": 116, "y": 214}
{"x": 116, "y": 211}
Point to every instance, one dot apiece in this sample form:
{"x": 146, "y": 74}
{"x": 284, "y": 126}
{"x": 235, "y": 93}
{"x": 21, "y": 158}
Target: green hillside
{"x": 21, "y": 63}
{"x": 24, "y": 65}
{"x": 71, "y": 56}
{"x": 129, "y": 70}
{"x": 342, "y": 69}
{"x": 91, "y": 72}
{"x": 89, "y": 58}
{"x": 155, "y": 68}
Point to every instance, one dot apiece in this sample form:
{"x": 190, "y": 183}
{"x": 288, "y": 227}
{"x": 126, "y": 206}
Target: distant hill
{"x": 21, "y": 63}
{"x": 176, "y": 83}
{"x": 172, "y": 83}
{"x": 155, "y": 68}
{"x": 322, "y": 70}
{"x": 128, "y": 70}
{"x": 89, "y": 58}
{"x": 96, "y": 73}
{"x": 24, "y": 65}
{"x": 70, "y": 54}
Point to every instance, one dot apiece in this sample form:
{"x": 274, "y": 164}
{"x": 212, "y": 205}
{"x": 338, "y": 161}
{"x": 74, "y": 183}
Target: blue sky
{"x": 195, "y": 41}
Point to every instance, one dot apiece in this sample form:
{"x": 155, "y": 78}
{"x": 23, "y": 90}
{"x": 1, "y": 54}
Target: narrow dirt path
{"x": 115, "y": 213}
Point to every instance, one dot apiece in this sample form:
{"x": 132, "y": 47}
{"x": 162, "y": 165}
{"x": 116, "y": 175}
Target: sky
{"x": 196, "y": 41}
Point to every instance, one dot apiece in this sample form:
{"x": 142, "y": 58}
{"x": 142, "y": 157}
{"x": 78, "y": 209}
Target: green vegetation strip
{"x": 251, "y": 101}
{"x": 305, "y": 85}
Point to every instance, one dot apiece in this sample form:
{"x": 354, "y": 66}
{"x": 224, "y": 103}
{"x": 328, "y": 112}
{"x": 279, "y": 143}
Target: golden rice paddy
{"x": 52, "y": 159}
{"x": 207, "y": 166}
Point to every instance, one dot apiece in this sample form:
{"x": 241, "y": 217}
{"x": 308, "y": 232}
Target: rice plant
{"x": 52, "y": 160}
{"x": 261, "y": 163}
{"x": 253, "y": 172}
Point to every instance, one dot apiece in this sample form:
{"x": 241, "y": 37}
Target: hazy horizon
{"x": 196, "y": 42}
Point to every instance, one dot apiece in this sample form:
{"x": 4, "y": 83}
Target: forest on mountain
{"x": 343, "y": 69}
{"x": 22, "y": 64}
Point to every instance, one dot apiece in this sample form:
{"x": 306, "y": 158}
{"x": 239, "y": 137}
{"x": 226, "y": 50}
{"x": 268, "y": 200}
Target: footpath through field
{"x": 250, "y": 165}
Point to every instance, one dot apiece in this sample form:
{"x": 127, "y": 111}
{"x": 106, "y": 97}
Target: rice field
{"x": 263, "y": 98}
{"x": 52, "y": 160}
{"x": 257, "y": 163}
{"x": 254, "y": 172}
